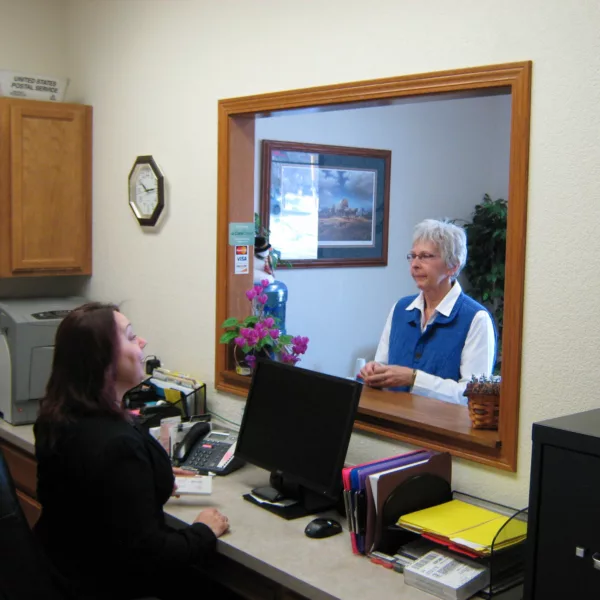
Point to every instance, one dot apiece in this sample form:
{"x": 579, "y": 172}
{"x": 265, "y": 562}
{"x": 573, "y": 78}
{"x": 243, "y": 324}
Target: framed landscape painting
{"x": 326, "y": 206}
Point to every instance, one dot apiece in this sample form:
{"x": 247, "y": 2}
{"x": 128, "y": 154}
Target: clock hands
{"x": 147, "y": 190}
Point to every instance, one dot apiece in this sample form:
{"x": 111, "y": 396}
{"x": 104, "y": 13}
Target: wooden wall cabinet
{"x": 45, "y": 188}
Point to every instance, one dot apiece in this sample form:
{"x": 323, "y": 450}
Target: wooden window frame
{"x": 405, "y": 417}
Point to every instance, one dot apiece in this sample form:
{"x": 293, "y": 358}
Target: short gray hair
{"x": 450, "y": 239}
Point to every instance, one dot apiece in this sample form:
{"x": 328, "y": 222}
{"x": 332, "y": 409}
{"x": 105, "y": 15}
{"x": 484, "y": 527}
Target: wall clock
{"x": 146, "y": 190}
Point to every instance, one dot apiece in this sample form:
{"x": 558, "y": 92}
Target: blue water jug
{"x": 277, "y": 294}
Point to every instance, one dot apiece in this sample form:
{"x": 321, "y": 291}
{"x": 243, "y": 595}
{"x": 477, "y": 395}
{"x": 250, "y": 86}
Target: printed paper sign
{"x": 242, "y": 260}
{"x": 37, "y": 87}
{"x": 241, "y": 234}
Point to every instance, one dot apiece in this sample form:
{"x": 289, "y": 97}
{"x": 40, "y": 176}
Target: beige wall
{"x": 154, "y": 70}
{"x": 33, "y": 36}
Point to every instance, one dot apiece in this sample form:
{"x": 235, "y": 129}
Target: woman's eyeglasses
{"x": 423, "y": 256}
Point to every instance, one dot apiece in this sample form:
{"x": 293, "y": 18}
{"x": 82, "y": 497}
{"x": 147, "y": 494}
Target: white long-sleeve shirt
{"x": 477, "y": 357}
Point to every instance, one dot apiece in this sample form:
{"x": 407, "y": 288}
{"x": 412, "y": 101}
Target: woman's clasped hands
{"x": 378, "y": 375}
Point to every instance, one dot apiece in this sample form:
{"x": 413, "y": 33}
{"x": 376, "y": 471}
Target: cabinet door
{"x": 568, "y": 518}
{"x": 50, "y": 192}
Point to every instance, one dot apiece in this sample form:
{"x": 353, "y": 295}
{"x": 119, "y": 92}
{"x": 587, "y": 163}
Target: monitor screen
{"x": 298, "y": 423}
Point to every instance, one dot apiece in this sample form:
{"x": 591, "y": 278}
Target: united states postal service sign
{"x": 34, "y": 87}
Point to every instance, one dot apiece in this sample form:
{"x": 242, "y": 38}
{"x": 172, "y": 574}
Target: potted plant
{"x": 486, "y": 251}
{"x": 483, "y": 395}
{"x": 260, "y": 335}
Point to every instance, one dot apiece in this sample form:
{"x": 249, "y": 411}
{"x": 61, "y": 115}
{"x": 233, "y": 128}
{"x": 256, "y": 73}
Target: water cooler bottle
{"x": 277, "y": 294}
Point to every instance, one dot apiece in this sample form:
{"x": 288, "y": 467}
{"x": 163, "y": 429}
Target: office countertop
{"x": 322, "y": 569}
{"x": 20, "y": 436}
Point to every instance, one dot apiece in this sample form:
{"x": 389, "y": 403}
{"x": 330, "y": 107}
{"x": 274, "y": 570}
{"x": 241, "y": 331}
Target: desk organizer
{"x": 505, "y": 563}
{"x": 144, "y": 398}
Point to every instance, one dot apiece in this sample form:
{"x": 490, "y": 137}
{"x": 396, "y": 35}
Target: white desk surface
{"x": 322, "y": 569}
{"x": 20, "y": 436}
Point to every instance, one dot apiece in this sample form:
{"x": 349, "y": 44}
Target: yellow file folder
{"x": 466, "y": 525}
{"x": 447, "y": 519}
{"x": 481, "y": 537}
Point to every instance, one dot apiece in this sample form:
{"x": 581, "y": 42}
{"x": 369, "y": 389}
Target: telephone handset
{"x": 204, "y": 451}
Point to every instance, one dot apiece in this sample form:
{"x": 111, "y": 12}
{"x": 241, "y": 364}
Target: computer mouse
{"x": 322, "y": 528}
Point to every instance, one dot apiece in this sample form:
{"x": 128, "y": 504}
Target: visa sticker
{"x": 242, "y": 254}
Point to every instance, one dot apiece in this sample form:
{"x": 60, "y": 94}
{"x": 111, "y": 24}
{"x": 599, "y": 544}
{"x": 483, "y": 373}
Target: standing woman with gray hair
{"x": 435, "y": 341}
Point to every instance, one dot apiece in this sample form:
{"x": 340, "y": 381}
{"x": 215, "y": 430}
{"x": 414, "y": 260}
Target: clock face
{"x": 146, "y": 190}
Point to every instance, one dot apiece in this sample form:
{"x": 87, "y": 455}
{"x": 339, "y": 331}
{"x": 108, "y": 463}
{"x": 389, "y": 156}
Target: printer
{"x": 27, "y": 331}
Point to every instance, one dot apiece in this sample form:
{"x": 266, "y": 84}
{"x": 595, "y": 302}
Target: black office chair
{"x": 25, "y": 572}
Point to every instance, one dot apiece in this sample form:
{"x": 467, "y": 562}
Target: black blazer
{"x": 102, "y": 487}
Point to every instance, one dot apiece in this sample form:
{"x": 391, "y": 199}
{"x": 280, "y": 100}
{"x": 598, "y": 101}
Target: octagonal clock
{"x": 146, "y": 190}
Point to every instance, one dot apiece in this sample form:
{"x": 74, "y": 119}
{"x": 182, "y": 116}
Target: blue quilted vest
{"x": 438, "y": 349}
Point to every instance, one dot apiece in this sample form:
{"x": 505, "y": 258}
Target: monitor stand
{"x": 288, "y": 499}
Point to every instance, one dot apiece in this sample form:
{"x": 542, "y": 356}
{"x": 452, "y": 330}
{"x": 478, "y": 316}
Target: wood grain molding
{"x": 4, "y": 190}
{"x": 236, "y": 201}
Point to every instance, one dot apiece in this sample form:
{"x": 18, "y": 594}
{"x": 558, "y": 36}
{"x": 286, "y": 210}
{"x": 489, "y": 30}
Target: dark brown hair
{"x": 82, "y": 381}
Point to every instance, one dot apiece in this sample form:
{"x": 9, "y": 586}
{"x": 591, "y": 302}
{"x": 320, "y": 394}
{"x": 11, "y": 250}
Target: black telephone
{"x": 204, "y": 451}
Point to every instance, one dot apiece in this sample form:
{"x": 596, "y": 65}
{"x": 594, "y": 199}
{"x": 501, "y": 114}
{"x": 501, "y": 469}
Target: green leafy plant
{"x": 486, "y": 247}
{"x": 258, "y": 228}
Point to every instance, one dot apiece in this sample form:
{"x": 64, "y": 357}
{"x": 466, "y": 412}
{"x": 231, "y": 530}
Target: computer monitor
{"x": 297, "y": 424}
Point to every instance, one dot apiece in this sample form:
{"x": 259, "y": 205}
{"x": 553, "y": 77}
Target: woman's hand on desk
{"x": 385, "y": 376}
{"x": 216, "y": 520}
{"x": 211, "y": 517}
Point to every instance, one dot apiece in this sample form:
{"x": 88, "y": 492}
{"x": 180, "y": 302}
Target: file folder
{"x": 466, "y": 528}
{"x": 359, "y": 478}
{"x": 355, "y": 501}
{"x": 480, "y": 539}
{"x": 446, "y": 520}
{"x": 380, "y": 488}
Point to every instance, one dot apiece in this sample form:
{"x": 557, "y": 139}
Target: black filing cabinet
{"x": 564, "y": 509}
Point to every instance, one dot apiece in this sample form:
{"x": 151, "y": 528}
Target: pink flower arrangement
{"x": 258, "y": 333}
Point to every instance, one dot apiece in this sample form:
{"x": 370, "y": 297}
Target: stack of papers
{"x": 466, "y": 526}
{"x": 447, "y": 576}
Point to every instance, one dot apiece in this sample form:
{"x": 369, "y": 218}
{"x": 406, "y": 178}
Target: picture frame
{"x": 326, "y": 206}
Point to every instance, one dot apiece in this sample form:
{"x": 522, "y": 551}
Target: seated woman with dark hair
{"x": 102, "y": 479}
{"x": 434, "y": 341}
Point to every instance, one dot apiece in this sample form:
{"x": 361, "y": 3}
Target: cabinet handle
{"x": 596, "y": 559}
